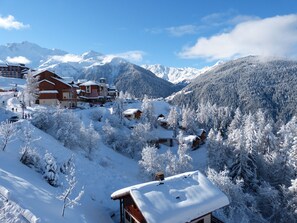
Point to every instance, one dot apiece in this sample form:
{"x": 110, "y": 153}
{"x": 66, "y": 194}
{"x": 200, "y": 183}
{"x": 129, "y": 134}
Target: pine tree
{"x": 150, "y": 160}
{"x": 147, "y": 109}
{"x": 188, "y": 120}
{"x": 31, "y": 90}
{"x": 51, "y": 172}
{"x": 173, "y": 120}
{"x": 184, "y": 162}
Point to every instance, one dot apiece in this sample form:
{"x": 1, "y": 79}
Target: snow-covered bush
{"x": 51, "y": 171}
{"x": 43, "y": 119}
{"x": 30, "y": 158}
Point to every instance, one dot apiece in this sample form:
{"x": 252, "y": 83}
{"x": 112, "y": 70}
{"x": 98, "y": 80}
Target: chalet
{"x": 132, "y": 113}
{"x": 93, "y": 92}
{"x": 112, "y": 93}
{"x": 162, "y": 121}
{"x": 13, "y": 70}
{"x": 193, "y": 141}
{"x": 54, "y": 90}
{"x": 185, "y": 198}
{"x": 162, "y": 136}
{"x": 201, "y": 133}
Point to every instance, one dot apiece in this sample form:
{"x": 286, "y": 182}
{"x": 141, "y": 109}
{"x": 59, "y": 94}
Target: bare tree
{"x": 7, "y": 131}
{"x": 71, "y": 180}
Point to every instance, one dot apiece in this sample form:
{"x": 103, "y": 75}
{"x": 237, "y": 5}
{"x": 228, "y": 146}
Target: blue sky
{"x": 173, "y": 33}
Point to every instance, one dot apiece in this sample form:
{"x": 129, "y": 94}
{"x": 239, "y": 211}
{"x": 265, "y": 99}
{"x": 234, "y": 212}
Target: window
{"x": 88, "y": 89}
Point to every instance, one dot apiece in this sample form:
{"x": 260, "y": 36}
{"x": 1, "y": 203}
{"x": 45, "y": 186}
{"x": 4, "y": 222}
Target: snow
{"x": 29, "y": 194}
{"x": 89, "y": 83}
{"x": 49, "y": 92}
{"x": 188, "y": 196}
{"x": 190, "y": 138}
{"x": 176, "y": 75}
{"x": 130, "y": 111}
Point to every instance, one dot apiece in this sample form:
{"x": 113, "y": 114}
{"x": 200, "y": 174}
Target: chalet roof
{"x": 162, "y": 133}
{"x": 131, "y": 111}
{"x": 89, "y": 83}
{"x": 179, "y": 198}
{"x": 200, "y": 131}
{"x": 62, "y": 81}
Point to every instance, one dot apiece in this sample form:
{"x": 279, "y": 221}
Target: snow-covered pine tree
{"x": 242, "y": 207}
{"x": 150, "y": 161}
{"x": 29, "y": 155}
{"x": 216, "y": 151}
{"x": 90, "y": 139}
{"x": 184, "y": 162}
{"x": 173, "y": 120}
{"x": 140, "y": 136}
{"x": 118, "y": 108}
{"x": 147, "y": 109}
{"x": 51, "y": 171}
{"x": 188, "y": 120}
{"x": 31, "y": 90}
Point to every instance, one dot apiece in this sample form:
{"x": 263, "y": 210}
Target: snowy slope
{"x": 177, "y": 75}
{"x": 29, "y": 190}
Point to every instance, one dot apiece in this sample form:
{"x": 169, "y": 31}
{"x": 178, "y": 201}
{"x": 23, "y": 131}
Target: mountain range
{"x": 91, "y": 65}
{"x": 177, "y": 75}
{"x": 249, "y": 83}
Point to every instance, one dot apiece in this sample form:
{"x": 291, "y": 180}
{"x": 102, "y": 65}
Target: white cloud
{"x": 182, "y": 30}
{"x": 67, "y": 58}
{"x": 133, "y": 56}
{"x": 275, "y": 36}
{"x": 9, "y": 22}
{"x": 19, "y": 59}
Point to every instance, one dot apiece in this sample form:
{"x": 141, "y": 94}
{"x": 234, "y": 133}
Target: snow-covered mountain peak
{"x": 177, "y": 75}
{"x": 91, "y": 55}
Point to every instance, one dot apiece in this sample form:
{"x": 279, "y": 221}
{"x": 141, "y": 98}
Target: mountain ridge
{"x": 249, "y": 83}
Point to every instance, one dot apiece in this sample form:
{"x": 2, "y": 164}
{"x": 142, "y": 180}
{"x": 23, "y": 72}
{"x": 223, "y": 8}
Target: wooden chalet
{"x": 193, "y": 141}
{"x": 201, "y": 133}
{"x": 185, "y": 198}
{"x": 132, "y": 113}
{"x": 54, "y": 90}
{"x": 93, "y": 92}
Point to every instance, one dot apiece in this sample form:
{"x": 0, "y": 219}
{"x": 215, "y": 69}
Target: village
{"x": 185, "y": 197}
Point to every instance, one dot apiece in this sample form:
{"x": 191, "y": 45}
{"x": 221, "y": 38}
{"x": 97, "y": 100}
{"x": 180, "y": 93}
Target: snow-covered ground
{"x": 107, "y": 172}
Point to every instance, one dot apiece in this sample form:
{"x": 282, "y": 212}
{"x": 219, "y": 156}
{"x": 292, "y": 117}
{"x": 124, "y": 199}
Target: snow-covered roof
{"x": 89, "y": 83}
{"x": 130, "y": 111}
{"x": 190, "y": 138}
{"x": 62, "y": 81}
{"x": 178, "y": 199}
{"x": 200, "y": 131}
{"x": 49, "y": 92}
{"x": 162, "y": 133}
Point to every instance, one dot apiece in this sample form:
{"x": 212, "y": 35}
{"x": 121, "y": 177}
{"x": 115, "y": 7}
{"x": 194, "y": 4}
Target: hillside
{"x": 249, "y": 83}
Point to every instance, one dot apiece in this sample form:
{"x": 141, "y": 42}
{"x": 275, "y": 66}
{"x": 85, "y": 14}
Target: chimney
{"x": 159, "y": 176}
